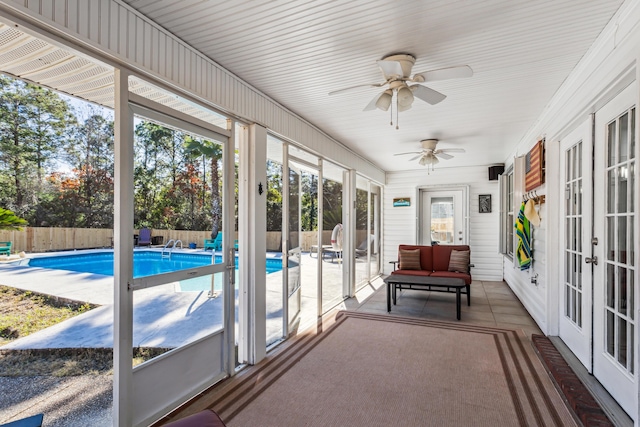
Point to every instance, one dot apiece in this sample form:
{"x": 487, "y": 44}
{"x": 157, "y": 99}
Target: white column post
{"x": 123, "y": 255}
{"x": 349, "y": 226}
{"x": 252, "y": 212}
{"x": 228, "y": 225}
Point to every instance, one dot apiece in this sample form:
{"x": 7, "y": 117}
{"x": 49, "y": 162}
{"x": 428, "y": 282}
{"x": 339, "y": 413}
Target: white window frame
{"x": 507, "y": 219}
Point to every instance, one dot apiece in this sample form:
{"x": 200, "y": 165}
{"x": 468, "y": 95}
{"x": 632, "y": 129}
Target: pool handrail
{"x": 173, "y": 246}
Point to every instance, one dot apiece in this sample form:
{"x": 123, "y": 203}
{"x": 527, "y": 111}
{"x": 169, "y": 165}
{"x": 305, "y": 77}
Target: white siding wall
{"x": 123, "y": 36}
{"x": 610, "y": 64}
{"x": 400, "y": 222}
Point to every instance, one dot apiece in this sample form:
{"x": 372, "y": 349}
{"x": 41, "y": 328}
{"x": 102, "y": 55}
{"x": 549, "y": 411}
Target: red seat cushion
{"x": 413, "y": 272}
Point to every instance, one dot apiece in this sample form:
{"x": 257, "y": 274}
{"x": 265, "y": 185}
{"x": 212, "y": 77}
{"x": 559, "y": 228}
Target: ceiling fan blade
{"x": 451, "y": 150}
{"x": 443, "y": 74}
{"x": 416, "y": 157}
{"x": 444, "y": 156}
{"x": 390, "y": 68}
{"x": 408, "y": 152}
{"x": 427, "y": 94}
{"x": 347, "y": 89}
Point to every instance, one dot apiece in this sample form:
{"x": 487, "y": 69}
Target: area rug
{"x": 369, "y": 369}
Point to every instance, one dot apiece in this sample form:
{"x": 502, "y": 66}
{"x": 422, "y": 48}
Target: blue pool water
{"x": 145, "y": 263}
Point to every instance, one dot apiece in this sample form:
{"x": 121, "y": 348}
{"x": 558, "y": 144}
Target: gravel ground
{"x": 65, "y": 401}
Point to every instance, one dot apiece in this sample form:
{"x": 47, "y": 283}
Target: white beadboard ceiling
{"x": 297, "y": 52}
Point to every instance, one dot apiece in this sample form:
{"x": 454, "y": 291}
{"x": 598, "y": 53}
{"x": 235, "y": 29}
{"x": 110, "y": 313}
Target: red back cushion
{"x": 425, "y": 255}
{"x": 442, "y": 253}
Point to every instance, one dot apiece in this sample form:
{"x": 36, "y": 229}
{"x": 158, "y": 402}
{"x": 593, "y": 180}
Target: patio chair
{"x": 144, "y": 237}
{"x": 5, "y": 248}
{"x": 215, "y": 244}
{"x": 362, "y": 250}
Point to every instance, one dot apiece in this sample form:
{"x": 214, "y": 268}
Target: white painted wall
{"x": 400, "y": 222}
{"x": 608, "y": 66}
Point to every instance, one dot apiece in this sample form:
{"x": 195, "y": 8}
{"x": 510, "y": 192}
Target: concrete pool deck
{"x": 164, "y": 316}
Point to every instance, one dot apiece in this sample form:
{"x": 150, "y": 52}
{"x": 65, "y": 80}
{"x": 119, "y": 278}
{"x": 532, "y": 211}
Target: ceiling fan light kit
{"x": 430, "y": 155}
{"x": 384, "y": 102}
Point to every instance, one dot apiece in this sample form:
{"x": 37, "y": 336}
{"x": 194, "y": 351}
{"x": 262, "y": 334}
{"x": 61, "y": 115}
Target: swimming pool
{"x": 145, "y": 263}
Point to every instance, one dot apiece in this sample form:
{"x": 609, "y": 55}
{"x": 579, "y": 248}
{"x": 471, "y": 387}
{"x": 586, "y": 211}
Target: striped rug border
{"x": 232, "y": 395}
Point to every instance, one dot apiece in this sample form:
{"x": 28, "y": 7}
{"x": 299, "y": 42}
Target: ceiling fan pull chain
{"x": 397, "y": 119}
{"x": 391, "y": 116}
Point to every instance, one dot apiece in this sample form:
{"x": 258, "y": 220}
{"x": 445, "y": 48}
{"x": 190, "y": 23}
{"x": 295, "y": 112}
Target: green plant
{"x": 10, "y": 221}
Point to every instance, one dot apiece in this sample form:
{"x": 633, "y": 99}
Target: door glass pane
{"x": 442, "y": 220}
{"x": 293, "y": 247}
{"x": 622, "y": 239}
{"x": 611, "y": 182}
{"x": 623, "y": 139}
{"x": 610, "y": 328}
{"x": 630, "y": 186}
{"x": 622, "y": 290}
{"x": 622, "y": 342}
{"x": 632, "y": 135}
{"x": 611, "y": 135}
{"x": 623, "y": 173}
{"x": 610, "y": 285}
{"x": 632, "y": 253}
{"x": 579, "y": 310}
{"x": 611, "y": 227}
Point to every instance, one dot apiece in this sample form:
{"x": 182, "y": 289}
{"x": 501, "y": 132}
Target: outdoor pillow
{"x": 459, "y": 261}
{"x": 410, "y": 259}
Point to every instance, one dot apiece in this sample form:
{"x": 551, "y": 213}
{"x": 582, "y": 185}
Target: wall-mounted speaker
{"x": 494, "y": 171}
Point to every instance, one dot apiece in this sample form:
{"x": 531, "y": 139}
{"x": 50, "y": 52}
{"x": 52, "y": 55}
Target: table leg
{"x": 458, "y": 297}
{"x": 468, "y": 295}
{"x": 388, "y": 297}
{"x": 395, "y": 292}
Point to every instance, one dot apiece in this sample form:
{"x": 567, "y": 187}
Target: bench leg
{"x": 458, "y": 298}
{"x": 468, "y": 295}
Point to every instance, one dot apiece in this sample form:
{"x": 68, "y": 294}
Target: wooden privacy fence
{"x": 46, "y": 239}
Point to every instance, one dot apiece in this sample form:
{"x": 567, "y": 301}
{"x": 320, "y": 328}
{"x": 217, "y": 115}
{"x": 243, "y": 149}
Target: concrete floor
{"x": 492, "y": 304}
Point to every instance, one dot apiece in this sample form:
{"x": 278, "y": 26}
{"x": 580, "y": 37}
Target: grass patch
{"x": 64, "y": 362}
{"x": 25, "y": 312}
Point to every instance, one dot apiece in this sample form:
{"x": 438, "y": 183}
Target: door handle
{"x": 593, "y": 260}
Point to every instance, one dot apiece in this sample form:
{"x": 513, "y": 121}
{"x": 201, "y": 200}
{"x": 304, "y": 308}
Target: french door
{"x": 614, "y": 273}
{"x": 575, "y": 246}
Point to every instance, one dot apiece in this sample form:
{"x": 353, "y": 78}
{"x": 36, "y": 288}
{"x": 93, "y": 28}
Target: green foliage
{"x": 9, "y": 220}
{"x": 34, "y": 125}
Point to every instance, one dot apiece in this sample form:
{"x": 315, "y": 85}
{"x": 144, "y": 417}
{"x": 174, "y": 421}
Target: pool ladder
{"x": 171, "y": 245}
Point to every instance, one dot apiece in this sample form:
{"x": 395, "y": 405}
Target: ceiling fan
{"x": 429, "y": 155}
{"x": 396, "y": 70}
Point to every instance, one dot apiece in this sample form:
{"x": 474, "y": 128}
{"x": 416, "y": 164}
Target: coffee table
{"x": 426, "y": 283}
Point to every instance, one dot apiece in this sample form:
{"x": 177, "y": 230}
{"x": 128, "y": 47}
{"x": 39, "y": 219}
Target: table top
{"x": 424, "y": 280}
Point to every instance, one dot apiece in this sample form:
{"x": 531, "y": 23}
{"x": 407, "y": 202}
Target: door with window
{"x": 614, "y": 263}
{"x": 575, "y": 245}
{"x": 443, "y": 217}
